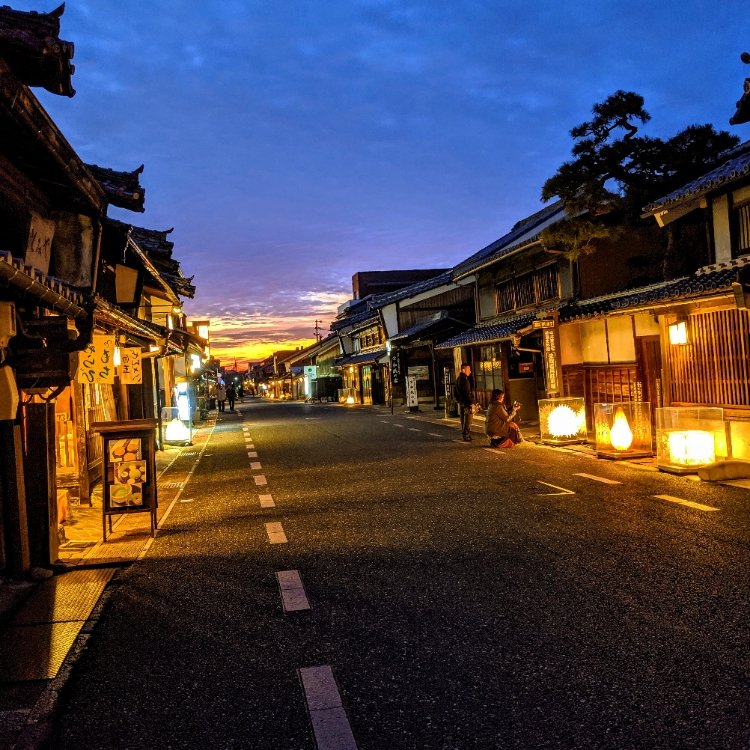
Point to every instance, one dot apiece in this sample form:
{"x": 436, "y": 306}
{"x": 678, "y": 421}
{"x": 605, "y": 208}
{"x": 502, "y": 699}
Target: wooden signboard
{"x": 129, "y": 476}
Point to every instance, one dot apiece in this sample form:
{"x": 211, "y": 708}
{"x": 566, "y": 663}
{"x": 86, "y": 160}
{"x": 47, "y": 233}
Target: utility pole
{"x": 318, "y": 335}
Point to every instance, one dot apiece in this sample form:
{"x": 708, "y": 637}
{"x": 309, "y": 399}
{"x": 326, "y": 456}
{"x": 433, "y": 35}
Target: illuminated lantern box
{"x": 623, "y": 430}
{"x": 688, "y": 437}
{"x": 562, "y": 421}
{"x": 176, "y": 432}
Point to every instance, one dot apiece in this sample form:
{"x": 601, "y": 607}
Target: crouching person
{"x": 500, "y": 428}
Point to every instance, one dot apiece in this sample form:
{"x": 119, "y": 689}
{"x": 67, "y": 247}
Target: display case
{"x": 623, "y": 430}
{"x": 562, "y": 421}
{"x": 129, "y": 477}
{"x": 688, "y": 437}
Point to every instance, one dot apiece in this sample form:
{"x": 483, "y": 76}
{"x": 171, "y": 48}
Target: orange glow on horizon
{"x": 253, "y": 352}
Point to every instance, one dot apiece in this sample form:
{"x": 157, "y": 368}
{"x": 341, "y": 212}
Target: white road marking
{"x": 434, "y": 434}
{"x": 595, "y": 478}
{"x": 564, "y": 491}
{"x": 260, "y": 479}
{"x": 276, "y": 533}
{"x": 384, "y": 421}
{"x": 329, "y": 721}
{"x": 187, "y": 500}
{"x": 255, "y": 466}
{"x": 397, "y": 425}
{"x": 414, "y": 429}
{"x": 293, "y": 596}
{"x": 266, "y": 501}
{"x": 687, "y": 503}
{"x": 252, "y": 454}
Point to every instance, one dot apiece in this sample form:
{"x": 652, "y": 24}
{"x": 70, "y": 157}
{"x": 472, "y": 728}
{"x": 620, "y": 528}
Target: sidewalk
{"x": 42, "y": 623}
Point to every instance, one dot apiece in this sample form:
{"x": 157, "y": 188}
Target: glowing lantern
{"x": 621, "y": 434}
{"x": 562, "y": 420}
{"x": 623, "y": 430}
{"x": 350, "y": 399}
{"x": 176, "y": 432}
{"x": 689, "y": 437}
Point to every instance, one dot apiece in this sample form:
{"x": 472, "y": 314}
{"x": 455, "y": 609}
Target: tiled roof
{"x": 417, "y": 288}
{"x": 523, "y": 233}
{"x": 422, "y": 326}
{"x": 352, "y": 320}
{"x": 360, "y": 358}
{"x": 492, "y": 330}
{"x": 688, "y": 287}
{"x": 735, "y": 167}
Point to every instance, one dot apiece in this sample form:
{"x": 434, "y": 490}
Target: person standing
{"x": 221, "y": 394}
{"x": 231, "y": 396}
{"x": 464, "y": 391}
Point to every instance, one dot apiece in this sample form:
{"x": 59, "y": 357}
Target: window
{"x": 528, "y": 289}
{"x": 743, "y": 229}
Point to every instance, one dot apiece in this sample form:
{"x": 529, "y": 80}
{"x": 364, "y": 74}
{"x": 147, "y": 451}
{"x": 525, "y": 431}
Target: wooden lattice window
{"x": 743, "y": 229}
{"x": 714, "y": 366}
{"x": 545, "y": 282}
{"x": 525, "y": 290}
{"x": 506, "y": 299}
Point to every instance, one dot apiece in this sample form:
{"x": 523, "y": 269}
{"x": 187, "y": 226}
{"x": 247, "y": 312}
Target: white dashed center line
{"x": 398, "y": 425}
{"x": 329, "y": 721}
{"x": 266, "y": 501}
{"x": 276, "y": 533}
{"x": 687, "y": 503}
{"x": 255, "y": 466}
{"x": 260, "y": 479}
{"x": 414, "y": 429}
{"x": 252, "y": 454}
{"x": 293, "y": 596}
{"x": 434, "y": 434}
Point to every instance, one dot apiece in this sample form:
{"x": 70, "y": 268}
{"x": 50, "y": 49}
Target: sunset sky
{"x": 291, "y": 143}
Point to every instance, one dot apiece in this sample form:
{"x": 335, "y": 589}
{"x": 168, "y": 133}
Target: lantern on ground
{"x": 689, "y": 437}
{"x": 623, "y": 430}
{"x": 562, "y": 421}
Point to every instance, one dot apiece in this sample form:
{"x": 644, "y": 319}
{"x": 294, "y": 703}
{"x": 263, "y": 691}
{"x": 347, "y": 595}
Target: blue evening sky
{"x": 293, "y": 143}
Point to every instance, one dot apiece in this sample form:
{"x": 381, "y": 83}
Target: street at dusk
{"x": 374, "y": 375}
{"x": 462, "y": 597}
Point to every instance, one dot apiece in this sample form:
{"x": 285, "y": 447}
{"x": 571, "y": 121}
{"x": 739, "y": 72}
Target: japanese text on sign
{"x": 130, "y": 365}
{"x": 96, "y": 362}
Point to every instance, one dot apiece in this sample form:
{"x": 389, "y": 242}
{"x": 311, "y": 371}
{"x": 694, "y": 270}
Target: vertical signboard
{"x": 96, "y": 363}
{"x": 131, "y": 372}
{"x": 39, "y": 243}
{"x": 412, "y": 401}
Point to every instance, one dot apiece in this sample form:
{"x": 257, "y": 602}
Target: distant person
{"x": 231, "y": 397}
{"x": 467, "y": 402}
{"x": 221, "y": 395}
{"x": 500, "y": 427}
{"x": 241, "y": 393}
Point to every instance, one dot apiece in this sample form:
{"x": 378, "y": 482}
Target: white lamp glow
{"x": 691, "y": 447}
{"x": 176, "y": 432}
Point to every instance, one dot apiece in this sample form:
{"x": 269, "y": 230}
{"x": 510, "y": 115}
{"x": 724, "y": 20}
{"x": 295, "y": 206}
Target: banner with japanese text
{"x": 130, "y": 365}
{"x": 96, "y": 363}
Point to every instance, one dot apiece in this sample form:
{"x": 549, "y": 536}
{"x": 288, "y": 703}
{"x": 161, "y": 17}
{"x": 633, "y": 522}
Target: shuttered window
{"x": 528, "y": 289}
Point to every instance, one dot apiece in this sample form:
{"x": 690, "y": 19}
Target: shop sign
{"x": 39, "y": 243}
{"x": 550, "y": 360}
{"x": 131, "y": 366}
{"x": 420, "y": 372}
{"x": 543, "y": 324}
{"x": 395, "y": 368}
{"x": 412, "y": 400}
{"x": 96, "y": 363}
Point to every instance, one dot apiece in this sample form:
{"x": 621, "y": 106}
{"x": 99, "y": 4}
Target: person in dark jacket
{"x": 466, "y": 399}
{"x": 499, "y": 426}
{"x": 231, "y": 397}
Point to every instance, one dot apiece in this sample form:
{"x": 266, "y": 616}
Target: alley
{"x": 360, "y": 579}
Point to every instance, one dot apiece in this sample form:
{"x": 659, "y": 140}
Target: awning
{"x": 360, "y": 358}
{"x": 439, "y": 325}
{"x": 490, "y": 331}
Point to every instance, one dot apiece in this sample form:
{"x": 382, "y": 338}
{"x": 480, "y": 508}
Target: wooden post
{"x": 41, "y": 484}
{"x": 13, "y": 497}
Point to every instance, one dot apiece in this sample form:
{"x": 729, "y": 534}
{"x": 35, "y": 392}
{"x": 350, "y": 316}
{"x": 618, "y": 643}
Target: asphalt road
{"x": 461, "y": 597}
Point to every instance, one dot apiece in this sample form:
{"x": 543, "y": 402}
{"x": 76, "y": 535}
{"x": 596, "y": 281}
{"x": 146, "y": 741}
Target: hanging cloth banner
{"x": 130, "y": 365}
{"x": 96, "y": 363}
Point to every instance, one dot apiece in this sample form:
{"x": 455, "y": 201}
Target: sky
{"x": 292, "y": 144}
